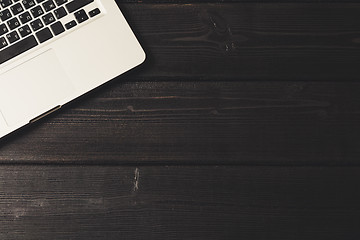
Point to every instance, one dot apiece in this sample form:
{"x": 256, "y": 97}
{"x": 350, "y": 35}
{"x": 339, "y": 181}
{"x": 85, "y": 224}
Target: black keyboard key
{"x": 48, "y": 5}
{"x": 48, "y": 18}
{"x": 81, "y": 16}
{"x": 60, "y": 2}
{"x": 16, "y": 9}
{"x": 60, "y": 12}
{"x": 13, "y": 23}
{"x": 37, "y": 11}
{"x": 36, "y": 25}
{"x": 25, "y": 17}
{"x": 57, "y": 28}
{"x": 5, "y": 3}
{"x": 70, "y": 24}
{"x": 3, "y": 29}
{"x": 44, "y": 35}
{"x": 5, "y": 15}
{"x": 94, "y": 12}
{"x": 39, "y": 1}
{"x": 12, "y": 37}
{"x": 24, "y": 30}
{"x": 3, "y": 43}
{"x": 17, "y": 49}
{"x": 77, "y": 4}
{"x": 28, "y": 3}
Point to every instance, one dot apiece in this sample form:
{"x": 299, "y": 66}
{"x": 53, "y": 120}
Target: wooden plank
{"x": 278, "y": 41}
{"x": 93, "y": 202}
{"x": 255, "y": 123}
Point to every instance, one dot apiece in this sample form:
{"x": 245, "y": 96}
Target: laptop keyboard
{"x": 27, "y": 23}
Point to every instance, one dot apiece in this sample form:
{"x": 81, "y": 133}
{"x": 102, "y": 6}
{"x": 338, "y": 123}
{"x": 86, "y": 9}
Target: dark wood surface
{"x": 179, "y": 202}
{"x": 241, "y": 124}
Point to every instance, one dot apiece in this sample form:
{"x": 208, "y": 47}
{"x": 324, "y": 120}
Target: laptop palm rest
{"x": 25, "y": 94}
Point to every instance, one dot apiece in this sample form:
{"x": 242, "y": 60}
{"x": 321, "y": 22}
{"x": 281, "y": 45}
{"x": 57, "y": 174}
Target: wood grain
{"x": 94, "y": 202}
{"x": 253, "y": 123}
{"x": 247, "y": 41}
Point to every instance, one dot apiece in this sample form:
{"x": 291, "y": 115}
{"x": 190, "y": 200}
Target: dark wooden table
{"x": 243, "y": 123}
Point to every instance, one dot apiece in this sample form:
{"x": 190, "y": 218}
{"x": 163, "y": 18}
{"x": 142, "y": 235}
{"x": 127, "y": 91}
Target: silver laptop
{"x": 53, "y": 51}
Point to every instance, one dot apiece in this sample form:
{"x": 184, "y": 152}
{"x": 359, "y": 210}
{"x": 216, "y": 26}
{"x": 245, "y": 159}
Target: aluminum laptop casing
{"x": 89, "y": 55}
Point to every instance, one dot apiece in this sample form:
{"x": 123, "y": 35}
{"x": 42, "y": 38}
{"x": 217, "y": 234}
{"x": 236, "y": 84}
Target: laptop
{"x": 53, "y": 51}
